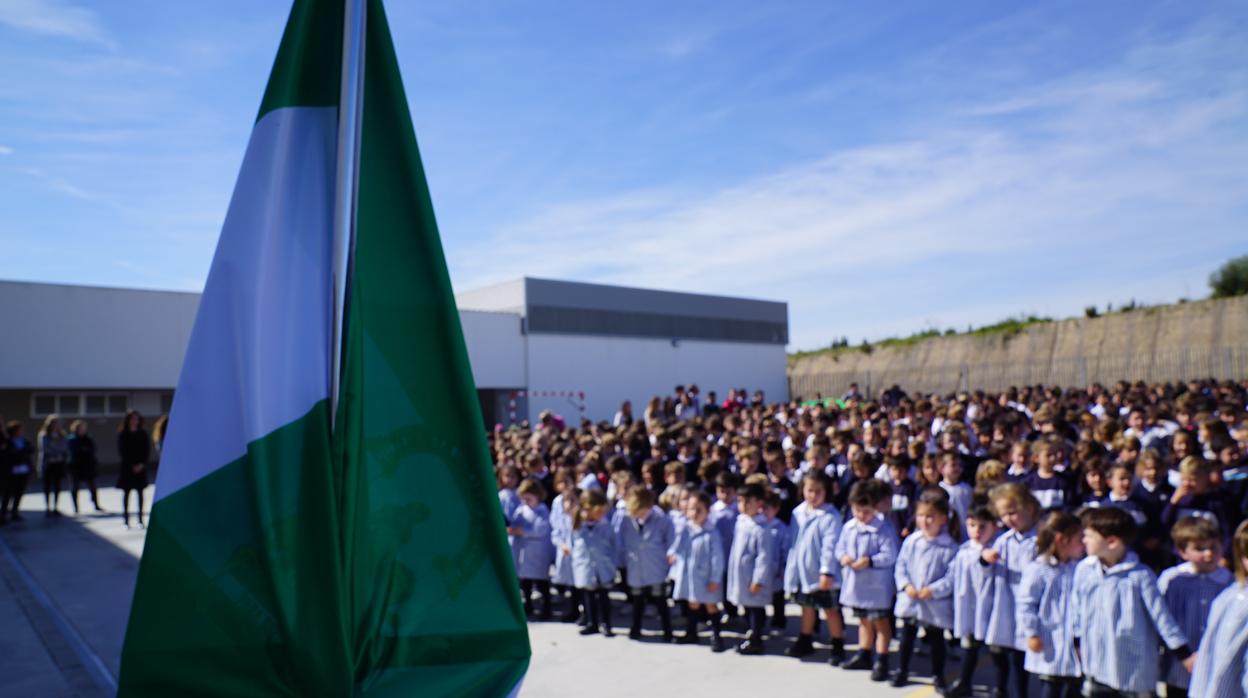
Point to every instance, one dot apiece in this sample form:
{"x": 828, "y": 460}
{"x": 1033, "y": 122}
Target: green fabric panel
{"x": 308, "y": 69}
{"x": 430, "y": 573}
{"x": 240, "y": 588}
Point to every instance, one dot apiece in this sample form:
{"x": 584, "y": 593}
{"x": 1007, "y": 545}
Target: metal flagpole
{"x": 350, "y": 118}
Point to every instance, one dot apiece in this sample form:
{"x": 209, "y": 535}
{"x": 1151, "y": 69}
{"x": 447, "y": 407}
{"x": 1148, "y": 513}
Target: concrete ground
{"x": 65, "y": 587}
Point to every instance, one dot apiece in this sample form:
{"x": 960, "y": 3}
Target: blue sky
{"x": 883, "y": 169}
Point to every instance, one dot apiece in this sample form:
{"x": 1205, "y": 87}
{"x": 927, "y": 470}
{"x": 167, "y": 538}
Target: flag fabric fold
{"x": 296, "y": 551}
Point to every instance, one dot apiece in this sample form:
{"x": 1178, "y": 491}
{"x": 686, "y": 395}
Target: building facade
{"x": 577, "y": 349}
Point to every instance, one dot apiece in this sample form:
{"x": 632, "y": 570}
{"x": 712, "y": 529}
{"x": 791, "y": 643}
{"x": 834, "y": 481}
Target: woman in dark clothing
{"x": 53, "y": 462}
{"x": 134, "y": 447}
{"x": 17, "y": 460}
{"x": 82, "y": 463}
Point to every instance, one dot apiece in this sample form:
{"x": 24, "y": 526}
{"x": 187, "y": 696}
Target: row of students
{"x": 1022, "y": 592}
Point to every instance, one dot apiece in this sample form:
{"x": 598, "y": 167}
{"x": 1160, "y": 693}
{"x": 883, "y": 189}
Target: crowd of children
{"x": 1029, "y": 525}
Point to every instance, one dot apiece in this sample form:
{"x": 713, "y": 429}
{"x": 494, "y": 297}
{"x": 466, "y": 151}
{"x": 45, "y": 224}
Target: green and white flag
{"x": 325, "y": 520}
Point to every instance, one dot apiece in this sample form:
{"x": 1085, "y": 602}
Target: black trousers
{"x": 1009, "y": 665}
{"x": 1060, "y": 687}
{"x": 931, "y": 635}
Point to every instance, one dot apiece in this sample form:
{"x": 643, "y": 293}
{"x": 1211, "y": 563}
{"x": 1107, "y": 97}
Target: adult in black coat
{"x": 82, "y": 463}
{"x": 17, "y": 459}
{"x": 135, "y": 448}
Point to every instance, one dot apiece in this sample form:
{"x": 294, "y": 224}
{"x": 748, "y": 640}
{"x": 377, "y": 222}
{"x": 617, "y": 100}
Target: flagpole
{"x": 346, "y": 186}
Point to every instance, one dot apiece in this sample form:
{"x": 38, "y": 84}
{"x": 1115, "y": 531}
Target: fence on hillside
{"x": 1221, "y": 363}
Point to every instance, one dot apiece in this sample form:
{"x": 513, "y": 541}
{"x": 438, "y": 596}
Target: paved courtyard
{"x": 65, "y": 586}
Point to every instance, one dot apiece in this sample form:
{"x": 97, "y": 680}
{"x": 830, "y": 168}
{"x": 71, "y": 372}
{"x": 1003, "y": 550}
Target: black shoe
{"x": 589, "y": 630}
{"x": 860, "y": 660}
{"x": 938, "y": 683}
{"x": 996, "y": 693}
{"x": 750, "y": 647}
{"x": 803, "y": 646}
{"x": 958, "y": 690}
{"x": 667, "y": 637}
{"x": 689, "y": 638}
{"x": 605, "y": 629}
{"x": 900, "y": 678}
{"x": 778, "y": 622}
{"x": 879, "y": 672}
{"x": 634, "y": 634}
{"x": 570, "y": 617}
{"x": 717, "y": 644}
{"x": 836, "y": 657}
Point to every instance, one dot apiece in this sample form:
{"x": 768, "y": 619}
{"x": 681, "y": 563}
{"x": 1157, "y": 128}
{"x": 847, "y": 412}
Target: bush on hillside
{"x": 1231, "y": 279}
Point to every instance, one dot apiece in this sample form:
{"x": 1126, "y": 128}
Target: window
{"x": 166, "y": 403}
{"x": 43, "y": 405}
{"x": 79, "y": 404}
{"x": 69, "y": 404}
{"x": 97, "y": 405}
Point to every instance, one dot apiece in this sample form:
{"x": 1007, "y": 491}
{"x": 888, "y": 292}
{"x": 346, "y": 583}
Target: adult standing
{"x": 53, "y": 462}
{"x": 82, "y": 462}
{"x": 135, "y": 447}
{"x": 18, "y": 455}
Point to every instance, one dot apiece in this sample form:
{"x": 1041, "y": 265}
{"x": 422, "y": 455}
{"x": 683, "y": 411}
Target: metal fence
{"x": 1221, "y": 363}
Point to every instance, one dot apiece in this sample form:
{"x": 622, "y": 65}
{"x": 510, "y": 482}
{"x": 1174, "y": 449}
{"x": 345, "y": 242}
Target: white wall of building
{"x": 613, "y": 369}
{"x": 495, "y": 348}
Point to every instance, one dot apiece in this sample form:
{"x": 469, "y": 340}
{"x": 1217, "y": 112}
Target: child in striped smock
{"x": 972, "y": 593}
{"x": 780, "y": 532}
{"x": 751, "y": 567}
{"x": 1114, "y": 592}
{"x": 593, "y": 560}
{"x": 1190, "y": 588}
{"x": 644, "y": 538}
{"x": 867, "y": 551}
{"x": 531, "y": 548}
{"x": 925, "y": 585}
{"x": 561, "y": 512}
{"x": 1044, "y": 605}
{"x": 812, "y": 572}
{"x": 1222, "y": 662}
{"x": 697, "y": 559}
{"x": 1013, "y": 549}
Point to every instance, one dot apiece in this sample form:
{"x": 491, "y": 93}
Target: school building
{"x": 92, "y": 353}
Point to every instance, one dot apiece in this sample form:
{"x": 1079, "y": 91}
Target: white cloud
{"x": 1104, "y": 157}
{"x": 55, "y": 18}
{"x": 5, "y": 150}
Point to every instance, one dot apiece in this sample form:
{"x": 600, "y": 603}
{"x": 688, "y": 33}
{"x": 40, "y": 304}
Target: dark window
{"x": 97, "y": 405}
{"x": 69, "y": 404}
{"x": 118, "y": 404}
{"x": 45, "y": 404}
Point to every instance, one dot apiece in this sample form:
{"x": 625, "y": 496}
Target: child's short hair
{"x": 759, "y": 479}
{"x": 1194, "y": 529}
{"x": 818, "y": 477}
{"x": 701, "y": 497}
{"x": 1149, "y": 456}
{"x": 533, "y": 487}
{"x": 669, "y": 499}
{"x": 674, "y": 468}
{"x": 991, "y": 470}
{"x": 1110, "y": 522}
{"x": 982, "y": 513}
{"x": 639, "y": 498}
{"x": 1014, "y": 493}
{"x": 590, "y": 499}
{"x": 1195, "y": 466}
{"x": 862, "y": 494}
{"x": 727, "y": 480}
{"x": 1120, "y": 466}
{"x": 771, "y": 499}
{"x": 1055, "y": 524}
{"x": 751, "y": 491}
{"x": 1041, "y": 446}
{"x": 1239, "y": 551}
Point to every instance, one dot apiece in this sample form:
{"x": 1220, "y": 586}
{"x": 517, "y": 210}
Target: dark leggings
{"x": 1064, "y": 687}
{"x": 931, "y": 635}
{"x": 777, "y": 609}
{"x": 15, "y": 487}
{"x": 1009, "y": 666}
{"x": 640, "y": 597}
{"x": 758, "y": 621}
{"x": 526, "y": 591}
{"x": 53, "y": 483}
{"x": 89, "y": 483}
{"x": 125, "y": 506}
{"x": 597, "y": 606}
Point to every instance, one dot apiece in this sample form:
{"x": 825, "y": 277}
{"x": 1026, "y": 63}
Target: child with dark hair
{"x": 972, "y": 593}
{"x": 1221, "y": 667}
{"x": 867, "y": 551}
{"x": 1190, "y": 587}
{"x": 904, "y": 495}
{"x": 925, "y": 585}
{"x": 812, "y": 572}
{"x": 751, "y": 567}
{"x": 530, "y": 545}
{"x": 1044, "y": 603}
{"x": 1114, "y": 592}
